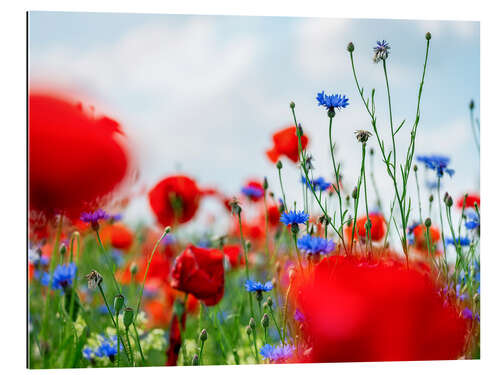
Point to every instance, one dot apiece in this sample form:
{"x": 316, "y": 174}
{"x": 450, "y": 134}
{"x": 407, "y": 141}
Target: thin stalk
{"x": 108, "y": 262}
{"x": 138, "y": 341}
{"x": 247, "y": 272}
{"x": 419, "y": 200}
{"x": 368, "y": 221}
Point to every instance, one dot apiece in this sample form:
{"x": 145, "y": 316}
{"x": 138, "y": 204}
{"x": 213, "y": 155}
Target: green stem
{"x": 368, "y": 221}
{"x": 138, "y": 341}
{"x": 247, "y": 272}
{"x": 282, "y": 190}
{"x": 108, "y": 262}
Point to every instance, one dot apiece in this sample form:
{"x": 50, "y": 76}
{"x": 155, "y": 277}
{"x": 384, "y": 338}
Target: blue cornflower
{"x": 298, "y": 316}
{"x": 381, "y": 51}
{"x": 107, "y": 347}
{"x": 332, "y": 102}
{"x": 317, "y": 183}
{"x": 116, "y": 217}
{"x": 94, "y": 217}
{"x": 252, "y": 192}
{"x": 277, "y": 353}
{"x": 315, "y": 245}
{"x": 462, "y": 241}
{"x": 294, "y": 217}
{"x": 43, "y": 276}
{"x": 437, "y": 163}
{"x": 473, "y": 220}
{"x": 63, "y": 275}
{"x": 256, "y": 286}
{"x": 87, "y": 353}
{"x": 467, "y": 314}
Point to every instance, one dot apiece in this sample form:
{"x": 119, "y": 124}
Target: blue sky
{"x": 203, "y": 94}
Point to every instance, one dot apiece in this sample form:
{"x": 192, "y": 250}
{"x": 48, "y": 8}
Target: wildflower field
{"x": 339, "y": 275}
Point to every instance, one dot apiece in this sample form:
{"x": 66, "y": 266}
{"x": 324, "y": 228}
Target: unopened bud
{"x": 292, "y": 105}
{"x": 428, "y": 36}
{"x": 415, "y": 168}
{"x": 265, "y": 320}
{"x": 203, "y": 335}
{"x": 251, "y": 323}
{"x": 428, "y": 222}
{"x": 350, "y": 47}
{"x": 248, "y": 330}
{"x": 196, "y": 360}
{"x": 431, "y": 198}
{"x": 62, "y": 249}
{"x": 279, "y": 164}
{"x": 471, "y": 105}
{"x": 265, "y": 184}
{"x": 128, "y": 316}
{"x": 248, "y": 245}
{"x": 134, "y": 268}
{"x": 119, "y": 302}
{"x": 269, "y": 302}
{"x": 354, "y": 193}
{"x": 167, "y": 230}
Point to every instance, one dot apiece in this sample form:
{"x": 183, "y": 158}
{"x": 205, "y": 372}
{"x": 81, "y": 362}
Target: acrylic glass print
{"x": 226, "y": 190}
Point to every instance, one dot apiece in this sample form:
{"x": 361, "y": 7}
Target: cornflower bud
{"x": 251, "y": 323}
{"x": 428, "y": 222}
{"x": 128, "y": 316}
{"x": 195, "y": 361}
{"x": 350, "y": 47}
{"x": 119, "y": 302}
{"x": 203, "y": 335}
{"x": 265, "y": 320}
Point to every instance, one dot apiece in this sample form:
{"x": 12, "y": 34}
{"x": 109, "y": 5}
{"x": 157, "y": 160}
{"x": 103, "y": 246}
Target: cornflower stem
{"x": 476, "y": 140}
{"x": 356, "y": 204}
{"x": 200, "y": 355}
{"x": 117, "y": 340}
{"x": 442, "y": 228}
{"x": 165, "y": 232}
{"x": 265, "y": 335}
{"x": 108, "y": 262}
{"x": 302, "y": 156}
{"x": 368, "y": 221}
{"x": 336, "y": 170}
{"x": 266, "y": 218}
{"x": 255, "y": 345}
{"x": 282, "y": 189}
{"x": 247, "y": 272}
{"x": 276, "y": 324}
{"x": 297, "y": 252}
{"x": 115, "y": 323}
{"x": 418, "y": 195}
{"x": 138, "y": 341}
{"x": 390, "y": 118}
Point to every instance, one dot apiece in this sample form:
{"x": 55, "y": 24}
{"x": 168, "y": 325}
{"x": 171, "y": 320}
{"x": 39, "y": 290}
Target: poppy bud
{"x": 265, "y": 184}
{"x": 350, "y": 47}
{"x": 415, "y": 168}
{"x": 265, "y": 320}
{"x": 248, "y": 245}
{"x": 248, "y": 330}
{"x": 167, "y": 230}
{"x": 251, "y": 323}
{"x": 428, "y": 222}
{"x": 128, "y": 317}
{"x": 279, "y": 164}
{"x": 119, "y": 302}
{"x": 203, "y": 335}
{"x": 195, "y": 361}
{"x": 292, "y": 105}
{"x": 355, "y": 193}
{"x": 134, "y": 268}
{"x": 431, "y": 198}
{"x": 428, "y": 36}
{"x": 471, "y": 105}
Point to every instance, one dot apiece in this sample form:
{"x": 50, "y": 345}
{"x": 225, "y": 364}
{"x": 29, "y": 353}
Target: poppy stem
{"x": 138, "y": 341}
{"x": 247, "y": 272}
{"x": 368, "y": 221}
{"x": 108, "y": 262}
{"x": 165, "y": 232}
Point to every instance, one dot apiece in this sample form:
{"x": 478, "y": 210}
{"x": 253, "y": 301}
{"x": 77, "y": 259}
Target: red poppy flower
{"x": 233, "y": 252}
{"x": 175, "y": 341}
{"x": 360, "y": 311}
{"x": 273, "y": 215}
{"x": 118, "y": 235}
{"x": 286, "y": 143}
{"x": 175, "y": 200}
{"x": 377, "y": 231}
{"x": 469, "y": 201}
{"x": 75, "y": 159}
{"x": 419, "y": 233}
{"x": 200, "y": 272}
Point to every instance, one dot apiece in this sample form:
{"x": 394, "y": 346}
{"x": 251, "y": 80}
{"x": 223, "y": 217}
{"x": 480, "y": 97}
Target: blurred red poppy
{"x": 469, "y": 201}
{"x": 253, "y": 190}
{"x": 356, "y": 310}
{"x": 377, "y": 231}
{"x": 419, "y": 233}
{"x": 234, "y": 254}
{"x": 200, "y": 272}
{"x": 273, "y": 215}
{"x": 75, "y": 159}
{"x": 286, "y": 143}
{"x": 175, "y": 200}
{"x": 118, "y": 235}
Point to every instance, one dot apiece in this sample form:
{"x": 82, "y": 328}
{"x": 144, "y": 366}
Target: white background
{"x": 13, "y": 148}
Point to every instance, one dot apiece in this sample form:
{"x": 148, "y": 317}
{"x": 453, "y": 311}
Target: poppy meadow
{"x": 338, "y": 275}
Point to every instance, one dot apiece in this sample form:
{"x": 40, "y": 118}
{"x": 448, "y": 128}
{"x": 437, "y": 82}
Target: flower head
{"x": 253, "y": 190}
{"x": 107, "y": 347}
{"x": 93, "y": 217}
{"x": 317, "y": 184}
{"x": 294, "y": 217}
{"x": 362, "y": 135}
{"x": 286, "y": 143}
{"x": 437, "y": 163}
{"x": 257, "y": 286}
{"x": 315, "y": 245}
{"x": 332, "y": 102}
{"x": 381, "y": 51}
{"x": 277, "y": 353}
{"x": 462, "y": 241}
{"x": 87, "y": 353}
{"x": 94, "y": 279}
{"x": 63, "y": 276}
{"x": 472, "y": 221}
